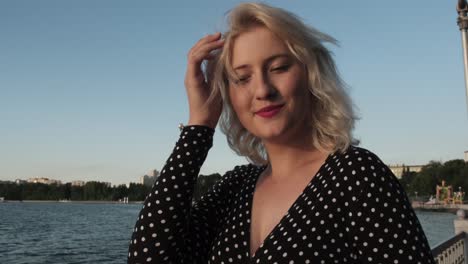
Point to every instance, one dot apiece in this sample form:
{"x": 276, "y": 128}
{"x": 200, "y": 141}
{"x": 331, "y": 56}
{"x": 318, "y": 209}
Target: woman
{"x": 308, "y": 195}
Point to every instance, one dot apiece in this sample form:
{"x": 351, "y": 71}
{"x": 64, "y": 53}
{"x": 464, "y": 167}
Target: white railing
{"x": 452, "y": 251}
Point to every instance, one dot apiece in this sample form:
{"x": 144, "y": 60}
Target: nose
{"x": 264, "y": 90}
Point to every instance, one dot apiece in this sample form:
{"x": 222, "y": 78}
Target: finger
{"x": 211, "y": 37}
{"x": 203, "y": 52}
{"x": 207, "y": 39}
{"x": 212, "y": 45}
{"x": 194, "y": 65}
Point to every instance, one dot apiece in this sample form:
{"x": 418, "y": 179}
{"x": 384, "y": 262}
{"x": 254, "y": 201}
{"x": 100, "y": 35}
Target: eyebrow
{"x": 268, "y": 60}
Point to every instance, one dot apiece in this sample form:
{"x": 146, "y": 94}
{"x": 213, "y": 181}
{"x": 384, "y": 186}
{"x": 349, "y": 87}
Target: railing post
{"x": 465, "y": 242}
{"x": 461, "y": 226}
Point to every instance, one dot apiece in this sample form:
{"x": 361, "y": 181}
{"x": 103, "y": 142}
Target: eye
{"x": 242, "y": 80}
{"x": 281, "y": 68}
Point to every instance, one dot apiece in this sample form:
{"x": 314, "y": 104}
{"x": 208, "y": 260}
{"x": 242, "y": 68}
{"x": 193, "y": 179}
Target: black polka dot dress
{"x": 352, "y": 211}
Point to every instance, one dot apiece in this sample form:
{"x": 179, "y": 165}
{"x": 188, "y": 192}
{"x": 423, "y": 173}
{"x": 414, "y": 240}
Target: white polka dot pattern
{"x": 353, "y": 211}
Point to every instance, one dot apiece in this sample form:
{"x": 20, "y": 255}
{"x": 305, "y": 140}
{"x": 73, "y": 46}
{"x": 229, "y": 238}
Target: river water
{"x": 55, "y": 233}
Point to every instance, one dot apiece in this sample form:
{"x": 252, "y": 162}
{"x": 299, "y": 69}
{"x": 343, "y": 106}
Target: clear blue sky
{"x": 93, "y": 90}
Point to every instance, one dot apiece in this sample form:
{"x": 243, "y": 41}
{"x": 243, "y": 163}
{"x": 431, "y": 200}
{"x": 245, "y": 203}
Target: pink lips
{"x": 269, "y": 111}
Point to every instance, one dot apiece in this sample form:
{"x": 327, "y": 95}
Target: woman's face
{"x": 269, "y": 94}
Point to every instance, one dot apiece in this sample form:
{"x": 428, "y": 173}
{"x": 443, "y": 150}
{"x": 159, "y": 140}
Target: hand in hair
{"x": 202, "y": 111}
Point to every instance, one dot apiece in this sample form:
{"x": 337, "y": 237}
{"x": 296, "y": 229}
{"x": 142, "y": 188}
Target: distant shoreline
{"x": 440, "y": 208}
{"x": 65, "y": 202}
{"x": 416, "y": 206}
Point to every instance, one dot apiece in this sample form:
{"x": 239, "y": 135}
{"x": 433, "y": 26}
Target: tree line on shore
{"x": 424, "y": 182}
{"x": 91, "y": 191}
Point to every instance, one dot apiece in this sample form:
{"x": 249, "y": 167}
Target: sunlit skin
{"x": 267, "y": 74}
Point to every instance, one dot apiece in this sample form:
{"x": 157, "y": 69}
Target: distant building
{"x": 20, "y": 181}
{"x": 397, "y": 169}
{"x": 44, "y": 181}
{"x": 153, "y": 173}
{"x": 78, "y": 183}
{"x": 149, "y": 178}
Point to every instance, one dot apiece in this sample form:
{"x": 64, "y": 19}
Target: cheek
{"x": 301, "y": 87}
{"x": 303, "y": 99}
{"x": 294, "y": 83}
{"x": 239, "y": 102}
{"x": 241, "y": 106}
{"x": 300, "y": 93}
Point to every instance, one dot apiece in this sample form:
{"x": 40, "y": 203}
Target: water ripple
{"x": 77, "y": 233}
{"x": 65, "y": 232}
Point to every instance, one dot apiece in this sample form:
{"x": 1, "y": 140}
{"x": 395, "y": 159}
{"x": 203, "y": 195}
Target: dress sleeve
{"x": 383, "y": 226}
{"x": 170, "y": 228}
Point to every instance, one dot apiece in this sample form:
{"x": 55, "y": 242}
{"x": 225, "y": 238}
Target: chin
{"x": 272, "y": 133}
{"x": 270, "y": 130}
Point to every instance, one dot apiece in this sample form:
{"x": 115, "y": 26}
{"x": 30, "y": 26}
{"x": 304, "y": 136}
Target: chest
{"x": 261, "y": 225}
{"x": 271, "y": 202}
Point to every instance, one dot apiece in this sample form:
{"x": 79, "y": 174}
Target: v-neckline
{"x": 293, "y": 205}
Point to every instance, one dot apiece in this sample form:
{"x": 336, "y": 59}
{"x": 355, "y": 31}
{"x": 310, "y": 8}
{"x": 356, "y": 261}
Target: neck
{"x": 287, "y": 159}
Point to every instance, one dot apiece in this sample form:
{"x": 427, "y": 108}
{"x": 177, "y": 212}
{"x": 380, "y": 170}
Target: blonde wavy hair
{"x": 331, "y": 111}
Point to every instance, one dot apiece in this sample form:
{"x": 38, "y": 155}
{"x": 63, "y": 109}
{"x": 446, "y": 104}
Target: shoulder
{"x": 241, "y": 174}
{"x": 247, "y": 169}
{"x": 356, "y": 154}
{"x": 357, "y": 160}
{"x": 235, "y": 182}
{"x": 360, "y": 170}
